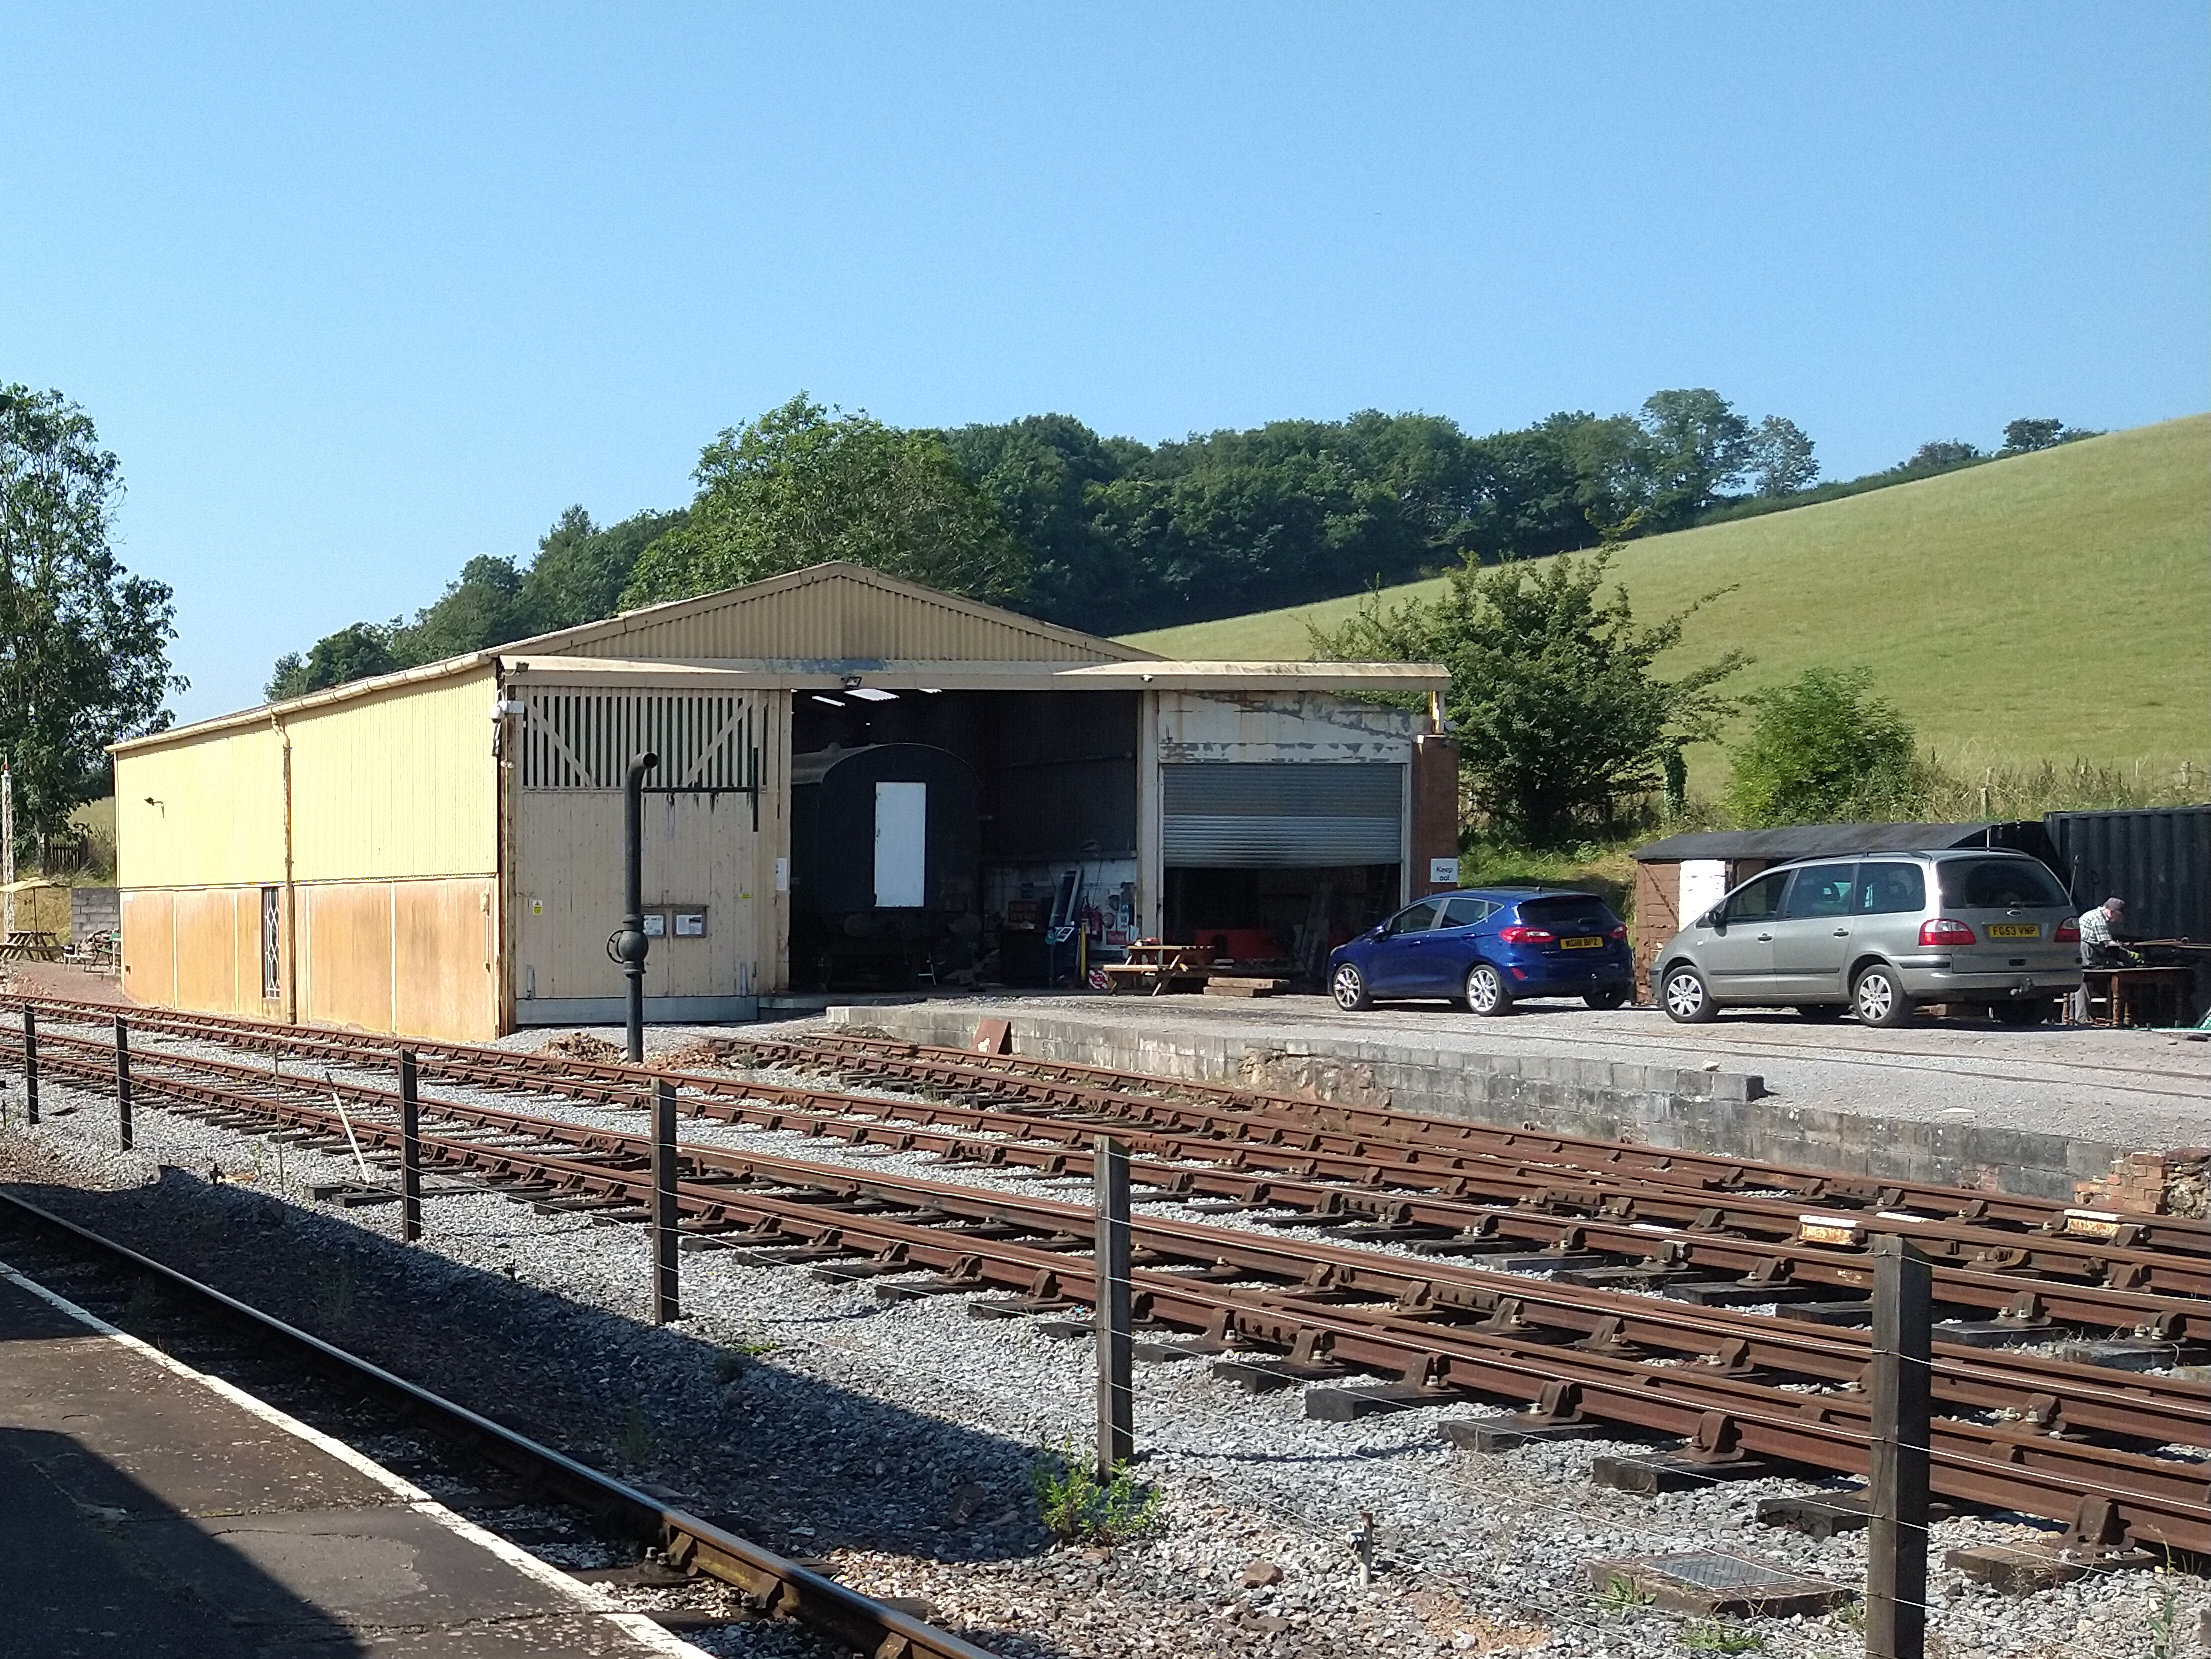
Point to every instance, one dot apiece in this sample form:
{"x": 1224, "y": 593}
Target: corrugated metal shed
{"x": 833, "y": 613}
{"x": 2158, "y": 860}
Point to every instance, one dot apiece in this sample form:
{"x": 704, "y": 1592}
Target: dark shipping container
{"x": 2158, "y": 860}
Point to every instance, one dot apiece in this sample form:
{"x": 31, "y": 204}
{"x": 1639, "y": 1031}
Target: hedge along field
{"x": 2052, "y": 607}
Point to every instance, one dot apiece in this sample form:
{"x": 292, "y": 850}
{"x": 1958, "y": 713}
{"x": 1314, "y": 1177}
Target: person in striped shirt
{"x": 2097, "y": 947}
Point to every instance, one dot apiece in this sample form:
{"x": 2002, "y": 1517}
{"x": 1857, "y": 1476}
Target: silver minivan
{"x": 1878, "y": 934}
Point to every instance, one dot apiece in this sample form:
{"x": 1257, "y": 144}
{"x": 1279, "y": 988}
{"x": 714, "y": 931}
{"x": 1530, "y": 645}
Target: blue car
{"x": 1486, "y": 949}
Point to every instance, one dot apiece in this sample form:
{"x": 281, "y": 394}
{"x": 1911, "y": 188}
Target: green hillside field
{"x": 2052, "y": 607}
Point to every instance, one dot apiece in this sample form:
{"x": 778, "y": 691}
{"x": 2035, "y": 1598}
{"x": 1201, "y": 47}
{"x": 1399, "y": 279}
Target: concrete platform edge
{"x": 1723, "y": 1112}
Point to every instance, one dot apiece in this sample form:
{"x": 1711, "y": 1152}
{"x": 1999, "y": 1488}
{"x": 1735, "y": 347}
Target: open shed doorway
{"x": 1028, "y": 805}
{"x": 1276, "y": 862}
{"x": 1282, "y": 919}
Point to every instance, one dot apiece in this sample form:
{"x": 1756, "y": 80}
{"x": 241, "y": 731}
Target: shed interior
{"x": 1055, "y": 798}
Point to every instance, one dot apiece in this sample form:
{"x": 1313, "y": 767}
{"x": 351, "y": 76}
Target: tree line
{"x": 1108, "y": 534}
{"x": 1111, "y": 535}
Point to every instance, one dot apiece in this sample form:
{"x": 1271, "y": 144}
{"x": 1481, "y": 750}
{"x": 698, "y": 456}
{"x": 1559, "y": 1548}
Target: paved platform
{"x": 2028, "y": 1109}
{"x": 146, "y": 1509}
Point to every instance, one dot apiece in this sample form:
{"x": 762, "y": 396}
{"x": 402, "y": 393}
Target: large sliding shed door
{"x": 1281, "y": 814}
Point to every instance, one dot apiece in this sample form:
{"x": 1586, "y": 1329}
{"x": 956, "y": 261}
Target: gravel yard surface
{"x": 2131, "y": 1088}
{"x": 896, "y": 1442}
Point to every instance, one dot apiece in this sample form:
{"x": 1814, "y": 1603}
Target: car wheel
{"x": 1349, "y": 987}
{"x": 1607, "y": 999}
{"x": 1687, "y": 999}
{"x": 1822, "y": 1010}
{"x": 1877, "y": 998}
{"x": 1486, "y": 993}
{"x": 2029, "y": 1012}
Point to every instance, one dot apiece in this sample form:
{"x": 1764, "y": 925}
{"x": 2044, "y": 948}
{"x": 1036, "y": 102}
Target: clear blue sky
{"x": 357, "y": 292}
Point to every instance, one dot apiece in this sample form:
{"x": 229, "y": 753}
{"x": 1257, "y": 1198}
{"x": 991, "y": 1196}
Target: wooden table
{"x": 2159, "y": 992}
{"x": 31, "y": 945}
{"x": 1153, "y": 965}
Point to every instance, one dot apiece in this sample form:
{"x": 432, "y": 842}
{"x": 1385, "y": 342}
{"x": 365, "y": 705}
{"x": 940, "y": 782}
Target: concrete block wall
{"x": 1728, "y": 1113}
{"x": 94, "y": 910}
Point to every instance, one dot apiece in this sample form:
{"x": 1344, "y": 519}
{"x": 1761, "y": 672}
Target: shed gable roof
{"x": 829, "y": 613}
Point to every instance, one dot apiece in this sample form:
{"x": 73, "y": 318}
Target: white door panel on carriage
{"x": 1276, "y": 861}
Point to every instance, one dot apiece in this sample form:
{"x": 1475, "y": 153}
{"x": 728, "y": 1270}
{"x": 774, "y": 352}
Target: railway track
{"x": 2078, "y": 1444}
{"x": 371, "y": 1400}
{"x": 858, "y": 1058}
{"x": 1714, "y": 1242}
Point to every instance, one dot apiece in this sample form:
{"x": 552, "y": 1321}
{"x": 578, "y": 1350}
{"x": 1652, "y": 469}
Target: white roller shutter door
{"x": 1281, "y": 814}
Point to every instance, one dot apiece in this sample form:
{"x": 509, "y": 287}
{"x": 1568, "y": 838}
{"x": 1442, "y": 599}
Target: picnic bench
{"x": 1155, "y": 967}
{"x": 31, "y": 945}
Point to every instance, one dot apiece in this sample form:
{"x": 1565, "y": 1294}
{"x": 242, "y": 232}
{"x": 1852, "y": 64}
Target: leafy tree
{"x": 1821, "y": 748}
{"x": 1781, "y": 460}
{"x": 580, "y": 569}
{"x": 577, "y": 576}
{"x": 1700, "y": 445}
{"x": 481, "y": 609}
{"x": 799, "y": 487}
{"x": 358, "y": 651}
{"x": 2024, "y": 437}
{"x": 83, "y": 644}
{"x": 1554, "y": 695}
{"x": 1943, "y": 452}
{"x": 1043, "y": 471}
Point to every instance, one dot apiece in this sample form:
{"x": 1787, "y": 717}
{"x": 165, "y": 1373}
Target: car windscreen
{"x": 1569, "y": 911}
{"x": 1999, "y": 884}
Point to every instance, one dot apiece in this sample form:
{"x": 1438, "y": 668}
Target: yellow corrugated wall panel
{"x": 206, "y": 812}
{"x": 397, "y": 785}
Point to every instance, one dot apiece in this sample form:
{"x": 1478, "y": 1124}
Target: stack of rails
{"x": 2074, "y": 1443}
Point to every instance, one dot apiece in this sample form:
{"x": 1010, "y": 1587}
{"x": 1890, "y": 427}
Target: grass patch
{"x": 634, "y": 1440}
{"x": 2043, "y": 608}
{"x": 1081, "y": 1509}
{"x": 1621, "y": 1594}
{"x": 1717, "y": 1636}
{"x": 335, "y": 1293}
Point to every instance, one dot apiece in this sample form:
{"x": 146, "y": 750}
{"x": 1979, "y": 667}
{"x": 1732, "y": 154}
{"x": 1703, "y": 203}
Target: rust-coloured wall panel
{"x": 442, "y": 935}
{"x": 149, "y": 948}
{"x": 207, "y": 949}
{"x": 346, "y": 955}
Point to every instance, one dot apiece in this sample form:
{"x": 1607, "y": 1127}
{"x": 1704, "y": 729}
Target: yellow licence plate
{"x": 2015, "y": 930}
{"x": 1579, "y": 944}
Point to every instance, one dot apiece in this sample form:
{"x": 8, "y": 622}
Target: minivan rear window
{"x": 1999, "y": 884}
{"x": 1888, "y": 889}
{"x": 1567, "y": 910}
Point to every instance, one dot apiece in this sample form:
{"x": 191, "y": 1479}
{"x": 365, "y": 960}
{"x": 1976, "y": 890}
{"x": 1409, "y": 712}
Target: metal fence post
{"x": 123, "y": 1082}
{"x": 666, "y": 1299}
{"x": 410, "y": 1150}
{"x": 1896, "y": 1543}
{"x": 1111, "y": 1319}
{"x": 30, "y": 1066}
